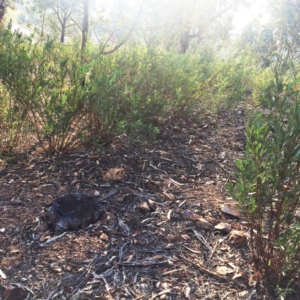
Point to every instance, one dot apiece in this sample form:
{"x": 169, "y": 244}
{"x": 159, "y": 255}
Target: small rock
{"x": 222, "y": 155}
{"x": 144, "y": 207}
{"x": 96, "y": 193}
{"x": 225, "y": 227}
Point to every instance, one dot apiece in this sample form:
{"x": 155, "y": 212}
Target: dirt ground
{"x": 174, "y": 246}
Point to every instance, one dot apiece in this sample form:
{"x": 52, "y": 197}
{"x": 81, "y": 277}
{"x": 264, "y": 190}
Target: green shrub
{"x": 65, "y": 97}
{"x": 12, "y": 121}
{"x": 267, "y": 186}
{"x": 262, "y": 82}
{"x": 44, "y": 85}
{"x": 136, "y": 91}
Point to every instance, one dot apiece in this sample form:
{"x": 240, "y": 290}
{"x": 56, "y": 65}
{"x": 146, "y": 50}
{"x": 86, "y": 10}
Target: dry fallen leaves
{"x": 185, "y": 237}
{"x": 144, "y": 207}
{"x": 8, "y": 262}
{"x": 237, "y": 237}
{"x": 224, "y": 270}
{"x": 168, "y": 196}
{"x": 104, "y": 237}
{"x": 203, "y": 223}
{"x": 151, "y": 204}
{"x": 173, "y": 238}
{"x": 191, "y": 216}
{"x": 230, "y": 210}
{"x": 2, "y": 275}
{"x": 224, "y": 227}
{"x": 114, "y": 174}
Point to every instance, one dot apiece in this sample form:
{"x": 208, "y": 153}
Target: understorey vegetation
{"x": 60, "y": 90}
{"x": 267, "y": 182}
{"x": 64, "y": 97}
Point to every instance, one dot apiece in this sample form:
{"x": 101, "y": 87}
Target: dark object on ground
{"x": 74, "y": 211}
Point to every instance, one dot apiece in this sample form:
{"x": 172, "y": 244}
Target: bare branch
{"x": 127, "y": 37}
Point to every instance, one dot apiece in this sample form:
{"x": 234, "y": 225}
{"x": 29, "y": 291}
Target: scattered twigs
{"x": 200, "y": 237}
{"x": 194, "y": 251}
{"x": 121, "y": 250}
{"x": 209, "y": 272}
{"x": 223, "y": 169}
{"x": 175, "y": 182}
{"x": 131, "y": 253}
{"x": 111, "y": 193}
{"x": 166, "y": 291}
{"x": 156, "y": 168}
{"x": 213, "y": 252}
{"x": 144, "y": 263}
{"x": 52, "y": 239}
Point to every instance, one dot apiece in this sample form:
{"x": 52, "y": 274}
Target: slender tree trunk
{"x": 42, "y": 29}
{"x": 85, "y": 30}
{"x": 184, "y": 42}
{"x": 63, "y": 31}
{"x": 2, "y": 9}
{"x": 85, "y": 24}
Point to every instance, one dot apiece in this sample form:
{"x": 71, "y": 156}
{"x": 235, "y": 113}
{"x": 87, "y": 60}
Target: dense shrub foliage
{"x": 64, "y": 97}
{"x": 267, "y": 184}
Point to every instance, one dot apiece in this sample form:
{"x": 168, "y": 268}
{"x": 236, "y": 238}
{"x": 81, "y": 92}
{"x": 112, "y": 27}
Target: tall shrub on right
{"x": 268, "y": 186}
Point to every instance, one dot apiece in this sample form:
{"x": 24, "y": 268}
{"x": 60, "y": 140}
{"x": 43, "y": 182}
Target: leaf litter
{"x": 166, "y": 234}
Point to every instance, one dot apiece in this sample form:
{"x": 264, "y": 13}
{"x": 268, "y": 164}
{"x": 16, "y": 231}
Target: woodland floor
{"x": 167, "y": 253}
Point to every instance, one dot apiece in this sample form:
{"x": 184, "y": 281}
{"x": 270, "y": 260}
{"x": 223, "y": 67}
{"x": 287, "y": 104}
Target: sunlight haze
{"x": 244, "y": 16}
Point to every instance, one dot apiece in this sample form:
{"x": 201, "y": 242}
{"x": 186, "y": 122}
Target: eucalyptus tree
{"x": 85, "y": 23}
{"x": 58, "y": 18}
{"x": 66, "y": 18}
{"x": 64, "y": 11}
